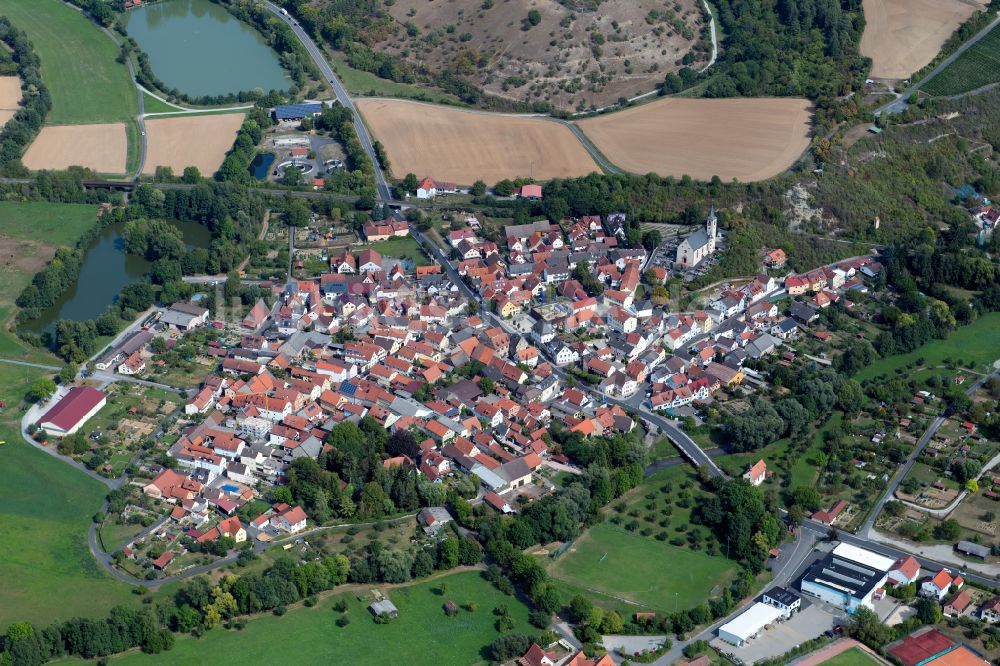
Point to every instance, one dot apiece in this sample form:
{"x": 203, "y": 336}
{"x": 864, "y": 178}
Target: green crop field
{"x": 979, "y": 342}
{"x": 29, "y": 234}
{"x": 642, "y": 570}
{"x": 78, "y": 63}
{"x": 852, "y": 657}
{"x": 46, "y": 507}
{"x": 421, "y": 636}
{"x": 977, "y": 67}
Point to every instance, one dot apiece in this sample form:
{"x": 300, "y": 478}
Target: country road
{"x": 900, "y": 104}
{"x": 384, "y": 190}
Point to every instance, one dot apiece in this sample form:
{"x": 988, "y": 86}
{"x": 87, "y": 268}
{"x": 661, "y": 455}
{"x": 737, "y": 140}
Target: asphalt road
{"x": 384, "y": 191}
{"x": 901, "y": 104}
{"x": 897, "y": 478}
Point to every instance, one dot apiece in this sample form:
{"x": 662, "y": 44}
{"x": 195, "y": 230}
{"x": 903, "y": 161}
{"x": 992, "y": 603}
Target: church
{"x": 693, "y": 249}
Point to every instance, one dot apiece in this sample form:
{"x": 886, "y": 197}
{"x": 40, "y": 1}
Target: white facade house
{"x": 784, "y": 600}
{"x": 747, "y": 625}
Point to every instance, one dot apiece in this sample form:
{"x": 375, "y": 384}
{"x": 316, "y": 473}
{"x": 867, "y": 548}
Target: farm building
{"x": 72, "y": 411}
{"x": 750, "y": 623}
{"x": 974, "y": 549}
{"x": 297, "y": 111}
{"x": 847, "y": 577}
{"x": 185, "y": 316}
{"x": 384, "y": 607}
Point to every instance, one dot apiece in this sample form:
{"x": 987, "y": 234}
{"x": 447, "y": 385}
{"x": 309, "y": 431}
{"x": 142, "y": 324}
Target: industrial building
{"x": 297, "y": 111}
{"x": 72, "y": 410}
{"x": 847, "y": 577}
{"x": 748, "y": 624}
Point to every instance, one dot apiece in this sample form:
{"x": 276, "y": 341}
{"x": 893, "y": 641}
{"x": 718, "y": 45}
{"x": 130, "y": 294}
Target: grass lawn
{"x": 421, "y": 636}
{"x": 359, "y": 82}
{"x": 852, "y": 657}
{"x": 978, "y": 342}
{"x": 78, "y": 63}
{"x": 46, "y": 507}
{"x": 45, "y": 225}
{"x": 402, "y": 248}
{"x": 152, "y": 105}
{"x": 977, "y": 67}
{"x": 639, "y": 569}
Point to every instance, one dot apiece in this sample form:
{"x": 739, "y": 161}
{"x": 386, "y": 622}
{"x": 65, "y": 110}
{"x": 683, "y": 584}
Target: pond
{"x": 261, "y": 165}
{"x": 106, "y": 269}
{"x": 201, "y": 49}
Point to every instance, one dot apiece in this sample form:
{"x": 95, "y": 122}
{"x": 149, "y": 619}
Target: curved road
{"x": 384, "y": 191}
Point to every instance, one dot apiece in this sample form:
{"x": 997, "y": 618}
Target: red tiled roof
{"x": 74, "y": 406}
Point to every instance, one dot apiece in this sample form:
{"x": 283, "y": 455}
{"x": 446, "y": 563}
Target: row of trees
{"x": 36, "y": 103}
{"x": 235, "y": 167}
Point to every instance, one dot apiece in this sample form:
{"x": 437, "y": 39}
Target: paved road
{"x": 384, "y": 191}
{"x": 901, "y": 104}
{"x": 868, "y": 526}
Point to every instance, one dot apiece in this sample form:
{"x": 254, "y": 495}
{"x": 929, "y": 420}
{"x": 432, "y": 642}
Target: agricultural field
{"x": 573, "y": 55}
{"x": 647, "y": 552}
{"x": 977, "y": 67}
{"x": 78, "y": 63}
{"x": 978, "y": 343}
{"x": 45, "y": 510}
{"x": 29, "y": 235}
{"x": 10, "y": 95}
{"x": 192, "y": 140}
{"x": 746, "y": 139}
{"x": 464, "y": 146}
{"x": 901, "y": 36}
{"x": 421, "y": 636}
{"x": 103, "y": 148}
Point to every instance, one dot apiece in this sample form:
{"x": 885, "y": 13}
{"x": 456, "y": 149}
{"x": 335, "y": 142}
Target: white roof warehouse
{"x": 740, "y": 630}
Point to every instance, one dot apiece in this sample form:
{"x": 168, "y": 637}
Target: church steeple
{"x": 711, "y": 223}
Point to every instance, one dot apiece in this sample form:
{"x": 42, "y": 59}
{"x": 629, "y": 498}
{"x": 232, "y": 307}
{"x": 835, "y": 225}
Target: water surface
{"x": 200, "y": 49}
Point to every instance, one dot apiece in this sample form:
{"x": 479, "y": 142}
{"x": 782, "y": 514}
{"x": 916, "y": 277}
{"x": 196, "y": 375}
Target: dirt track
{"x": 463, "y": 146}
{"x": 195, "y": 140}
{"x": 747, "y": 139}
{"x": 100, "y": 147}
{"x": 901, "y": 36}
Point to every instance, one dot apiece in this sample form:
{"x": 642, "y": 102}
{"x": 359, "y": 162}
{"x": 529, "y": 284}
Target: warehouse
{"x": 750, "y": 623}
{"x": 72, "y": 411}
{"x": 847, "y": 577}
{"x": 297, "y": 111}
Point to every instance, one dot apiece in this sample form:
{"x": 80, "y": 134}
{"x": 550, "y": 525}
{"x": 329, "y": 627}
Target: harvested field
{"x": 102, "y": 148}
{"x": 747, "y": 139}
{"x": 901, "y": 36}
{"x": 465, "y": 146}
{"x": 194, "y": 140}
{"x": 10, "y": 95}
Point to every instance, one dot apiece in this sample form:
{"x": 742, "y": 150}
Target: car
{"x": 144, "y": 132}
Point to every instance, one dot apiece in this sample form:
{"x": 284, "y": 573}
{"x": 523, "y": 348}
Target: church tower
{"x": 710, "y": 229}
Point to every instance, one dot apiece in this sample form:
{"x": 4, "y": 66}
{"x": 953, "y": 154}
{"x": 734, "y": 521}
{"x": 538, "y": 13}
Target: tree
{"x": 478, "y": 188}
{"x": 40, "y": 389}
{"x": 504, "y": 188}
{"x": 410, "y": 183}
{"x": 509, "y": 646}
{"x": 486, "y": 385}
{"x": 534, "y": 17}
{"x": 191, "y": 175}
{"x": 292, "y": 177}
{"x": 948, "y": 530}
{"x": 928, "y": 610}
{"x": 867, "y": 628}
{"x": 806, "y": 497}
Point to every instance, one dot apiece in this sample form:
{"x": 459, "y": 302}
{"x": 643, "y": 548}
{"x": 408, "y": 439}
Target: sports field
{"x": 193, "y": 140}
{"x": 103, "y": 148}
{"x": 46, "y": 506}
{"x": 421, "y": 636}
{"x": 626, "y": 567}
{"x": 977, "y": 67}
{"x": 852, "y": 657}
{"x": 901, "y": 36}
{"x": 459, "y": 146}
{"x": 978, "y": 342}
{"x": 29, "y": 235}
{"x": 10, "y": 95}
{"x": 78, "y": 63}
{"x": 747, "y": 139}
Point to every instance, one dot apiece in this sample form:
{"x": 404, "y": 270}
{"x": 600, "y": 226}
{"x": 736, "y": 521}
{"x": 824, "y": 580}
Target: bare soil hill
{"x": 901, "y": 36}
{"x": 580, "y": 54}
{"x": 464, "y": 146}
{"x": 748, "y": 139}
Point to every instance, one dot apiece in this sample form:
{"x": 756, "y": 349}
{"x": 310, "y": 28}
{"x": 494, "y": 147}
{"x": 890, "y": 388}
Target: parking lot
{"x": 814, "y": 618}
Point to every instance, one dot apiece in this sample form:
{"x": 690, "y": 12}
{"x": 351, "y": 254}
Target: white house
{"x": 757, "y": 473}
{"x": 785, "y": 601}
{"x": 939, "y": 586}
{"x": 904, "y": 571}
{"x": 292, "y": 519}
